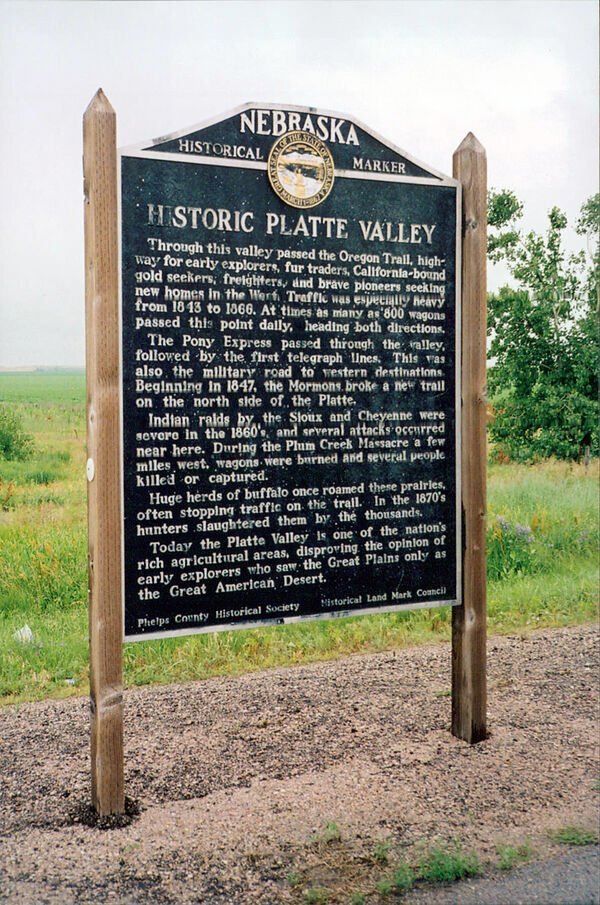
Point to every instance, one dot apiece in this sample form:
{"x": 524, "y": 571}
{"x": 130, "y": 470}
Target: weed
{"x": 510, "y": 549}
{"x": 596, "y": 784}
{"x": 510, "y": 856}
{"x": 403, "y": 877}
{"x": 385, "y": 886}
{"x": 316, "y": 895}
{"x": 331, "y": 833}
{"x": 574, "y": 835}
{"x": 7, "y": 492}
{"x": 42, "y": 476}
{"x": 381, "y": 851}
{"x": 294, "y": 878}
{"x": 128, "y": 849}
{"x": 400, "y": 881}
{"x": 445, "y": 864}
{"x": 358, "y": 898}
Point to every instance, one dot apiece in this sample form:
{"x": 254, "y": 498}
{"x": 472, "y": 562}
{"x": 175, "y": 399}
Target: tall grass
{"x": 542, "y": 562}
{"x": 538, "y": 516}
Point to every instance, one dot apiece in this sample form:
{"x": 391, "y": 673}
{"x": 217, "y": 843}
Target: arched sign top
{"x": 245, "y": 136}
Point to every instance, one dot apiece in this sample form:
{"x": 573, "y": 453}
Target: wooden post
{"x": 103, "y": 445}
{"x": 469, "y": 620}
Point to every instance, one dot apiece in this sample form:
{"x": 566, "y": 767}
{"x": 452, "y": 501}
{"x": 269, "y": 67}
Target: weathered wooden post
{"x": 469, "y": 620}
{"x": 103, "y": 449}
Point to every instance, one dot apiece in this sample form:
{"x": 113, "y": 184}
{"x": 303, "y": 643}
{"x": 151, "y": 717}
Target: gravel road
{"x": 232, "y": 781}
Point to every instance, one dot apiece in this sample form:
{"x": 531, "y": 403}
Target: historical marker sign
{"x": 287, "y": 298}
{"x": 290, "y": 331}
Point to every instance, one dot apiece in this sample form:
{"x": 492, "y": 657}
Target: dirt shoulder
{"x": 232, "y": 776}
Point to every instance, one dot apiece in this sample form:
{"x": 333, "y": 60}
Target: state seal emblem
{"x": 300, "y": 169}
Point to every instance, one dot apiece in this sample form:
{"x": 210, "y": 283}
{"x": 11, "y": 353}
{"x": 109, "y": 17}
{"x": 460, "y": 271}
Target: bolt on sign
{"x": 290, "y": 399}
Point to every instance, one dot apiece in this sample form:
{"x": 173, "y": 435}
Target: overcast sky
{"x": 522, "y": 76}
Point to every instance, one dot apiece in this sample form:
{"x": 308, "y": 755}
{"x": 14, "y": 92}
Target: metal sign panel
{"x": 290, "y": 351}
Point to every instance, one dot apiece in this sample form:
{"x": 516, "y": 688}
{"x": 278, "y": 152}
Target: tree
{"x": 588, "y": 225}
{"x": 543, "y": 335}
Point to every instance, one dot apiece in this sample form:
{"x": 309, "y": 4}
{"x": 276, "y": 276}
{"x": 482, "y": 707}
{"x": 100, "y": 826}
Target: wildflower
{"x": 524, "y": 532}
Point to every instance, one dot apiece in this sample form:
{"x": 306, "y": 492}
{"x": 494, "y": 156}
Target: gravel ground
{"x": 228, "y": 779}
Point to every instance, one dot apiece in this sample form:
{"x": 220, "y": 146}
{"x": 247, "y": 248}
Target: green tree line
{"x": 543, "y": 335}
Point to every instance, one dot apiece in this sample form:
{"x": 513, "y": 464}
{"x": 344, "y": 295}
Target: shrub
{"x": 15, "y": 443}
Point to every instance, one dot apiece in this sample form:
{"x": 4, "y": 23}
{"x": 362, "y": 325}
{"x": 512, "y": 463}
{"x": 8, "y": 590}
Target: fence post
{"x": 469, "y": 620}
{"x": 103, "y": 446}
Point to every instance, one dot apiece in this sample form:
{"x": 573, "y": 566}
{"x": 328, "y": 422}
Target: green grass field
{"x": 542, "y": 565}
{"x": 61, "y": 388}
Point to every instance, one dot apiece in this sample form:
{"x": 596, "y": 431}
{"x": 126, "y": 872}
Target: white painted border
{"x": 137, "y": 151}
{"x": 121, "y": 404}
{"x": 458, "y": 391}
{"x": 290, "y": 620}
{"x": 258, "y": 165}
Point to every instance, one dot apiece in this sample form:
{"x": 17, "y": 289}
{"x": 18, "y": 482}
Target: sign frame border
{"x": 441, "y": 180}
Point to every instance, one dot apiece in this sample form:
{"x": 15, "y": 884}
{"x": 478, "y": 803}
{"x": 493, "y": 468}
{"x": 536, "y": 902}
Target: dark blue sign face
{"x": 289, "y": 356}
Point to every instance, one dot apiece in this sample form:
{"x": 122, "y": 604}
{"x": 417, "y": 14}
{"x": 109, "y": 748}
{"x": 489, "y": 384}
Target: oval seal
{"x": 300, "y": 169}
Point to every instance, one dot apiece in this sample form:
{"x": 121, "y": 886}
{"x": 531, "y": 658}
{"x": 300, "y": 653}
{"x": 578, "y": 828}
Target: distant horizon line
{"x": 28, "y": 369}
